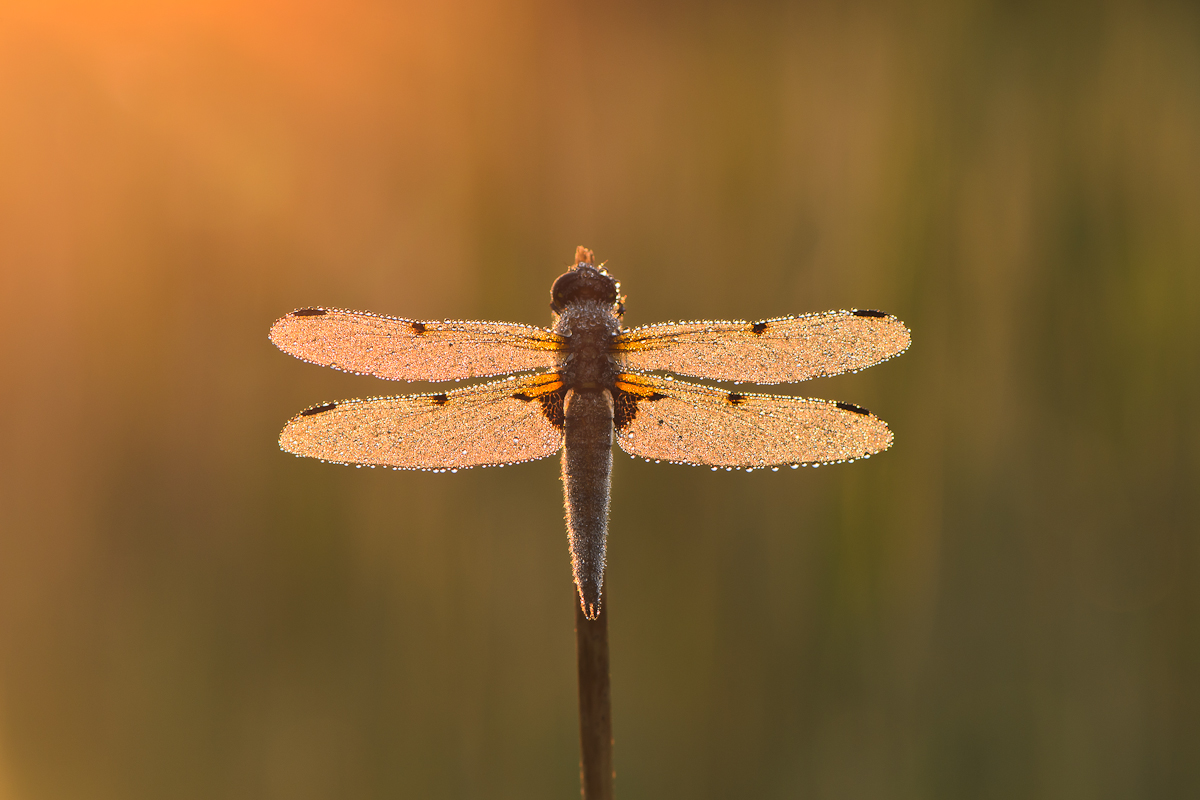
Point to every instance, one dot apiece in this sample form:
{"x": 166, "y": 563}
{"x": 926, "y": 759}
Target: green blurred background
{"x": 1005, "y": 605}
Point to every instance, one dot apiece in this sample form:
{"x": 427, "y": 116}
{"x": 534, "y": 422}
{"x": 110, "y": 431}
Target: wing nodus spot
{"x": 439, "y": 399}
{"x": 308, "y": 412}
{"x": 417, "y": 327}
{"x": 758, "y": 328}
{"x": 852, "y": 407}
{"x": 309, "y": 312}
{"x": 866, "y": 312}
{"x": 735, "y": 399}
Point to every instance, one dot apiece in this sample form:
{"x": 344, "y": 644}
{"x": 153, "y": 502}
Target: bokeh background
{"x": 1005, "y": 605}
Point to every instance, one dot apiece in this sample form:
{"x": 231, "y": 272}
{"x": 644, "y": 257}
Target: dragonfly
{"x": 580, "y": 385}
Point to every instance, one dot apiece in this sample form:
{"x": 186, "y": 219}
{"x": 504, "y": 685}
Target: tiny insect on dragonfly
{"x": 593, "y": 382}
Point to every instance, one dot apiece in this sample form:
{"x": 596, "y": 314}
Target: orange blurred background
{"x": 1004, "y": 605}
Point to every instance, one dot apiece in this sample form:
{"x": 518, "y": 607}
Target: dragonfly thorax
{"x": 589, "y": 327}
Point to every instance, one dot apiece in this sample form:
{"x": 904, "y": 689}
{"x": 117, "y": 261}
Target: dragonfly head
{"x": 584, "y": 282}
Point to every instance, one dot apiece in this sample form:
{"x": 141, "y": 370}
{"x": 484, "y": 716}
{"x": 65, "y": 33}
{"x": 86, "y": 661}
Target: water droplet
{"x": 774, "y": 469}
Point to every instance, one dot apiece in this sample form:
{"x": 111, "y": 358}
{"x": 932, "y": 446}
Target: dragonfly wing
{"x": 404, "y": 349}
{"x": 771, "y": 351}
{"x": 503, "y": 422}
{"x": 681, "y": 422}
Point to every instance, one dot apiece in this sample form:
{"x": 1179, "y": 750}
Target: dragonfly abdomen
{"x": 587, "y": 466}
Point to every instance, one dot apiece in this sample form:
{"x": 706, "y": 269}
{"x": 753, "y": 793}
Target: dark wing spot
{"x": 417, "y": 327}
{"x": 852, "y": 407}
{"x": 552, "y": 407}
{"x": 758, "y": 327}
{"x": 439, "y": 399}
{"x": 309, "y": 312}
{"x": 308, "y": 412}
{"x": 625, "y": 406}
{"x": 736, "y": 399}
{"x": 624, "y": 409}
{"x": 866, "y": 312}
{"x": 552, "y": 404}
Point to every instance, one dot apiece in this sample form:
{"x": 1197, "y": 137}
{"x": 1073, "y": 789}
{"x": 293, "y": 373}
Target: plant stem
{"x": 595, "y": 707}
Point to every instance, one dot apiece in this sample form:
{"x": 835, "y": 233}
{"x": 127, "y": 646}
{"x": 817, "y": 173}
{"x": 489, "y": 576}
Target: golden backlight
{"x": 1003, "y": 605}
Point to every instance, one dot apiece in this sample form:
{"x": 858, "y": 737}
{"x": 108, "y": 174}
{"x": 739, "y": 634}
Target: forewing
{"x": 681, "y": 422}
{"x": 503, "y": 422}
{"x": 771, "y": 351}
{"x": 410, "y": 350}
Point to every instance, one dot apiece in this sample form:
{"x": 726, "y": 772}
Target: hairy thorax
{"x": 587, "y": 362}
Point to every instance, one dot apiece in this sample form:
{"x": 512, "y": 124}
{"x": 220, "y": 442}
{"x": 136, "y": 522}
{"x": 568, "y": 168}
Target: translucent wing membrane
{"x": 503, "y": 422}
{"x": 685, "y": 423}
{"x": 403, "y": 349}
{"x": 771, "y": 351}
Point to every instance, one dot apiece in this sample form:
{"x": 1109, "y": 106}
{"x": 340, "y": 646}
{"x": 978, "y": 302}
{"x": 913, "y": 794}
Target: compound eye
{"x": 562, "y": 290}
